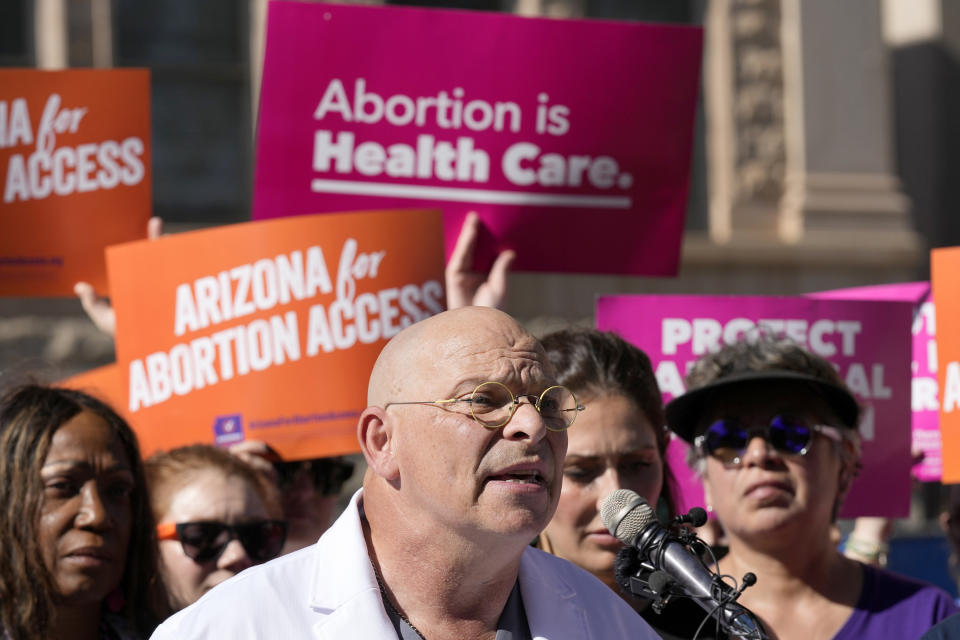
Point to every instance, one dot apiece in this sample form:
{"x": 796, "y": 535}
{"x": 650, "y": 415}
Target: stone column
{"x": 50, "y": 33}
{"x": 743, "y": 82}
{"x": 839, "y": 130}
{"x": 799, "y": 123}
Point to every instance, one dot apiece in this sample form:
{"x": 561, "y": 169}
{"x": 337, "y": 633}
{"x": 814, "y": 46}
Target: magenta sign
{"x": 571, "y": 138}
{"x": 925, "y": 394}
{"x": 868, "y": 342}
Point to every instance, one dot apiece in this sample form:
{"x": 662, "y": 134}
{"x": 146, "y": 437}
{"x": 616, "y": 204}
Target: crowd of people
{"x": 478, "y": 516}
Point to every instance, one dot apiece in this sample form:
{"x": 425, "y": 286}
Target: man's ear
{"x": 375, "y": 433}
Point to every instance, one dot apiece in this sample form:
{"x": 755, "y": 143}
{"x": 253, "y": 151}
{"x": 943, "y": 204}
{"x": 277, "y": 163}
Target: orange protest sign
{"x": 75, "y": 171}
{"x": 268, "y": 330}
{"x": 945, "y": 278}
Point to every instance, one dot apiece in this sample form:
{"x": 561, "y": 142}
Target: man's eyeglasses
{"x": 727, "y": 439}
{"x": 492, "y": 404}
{"x": 206, "y": 541}
{"x": 327, "y": 474}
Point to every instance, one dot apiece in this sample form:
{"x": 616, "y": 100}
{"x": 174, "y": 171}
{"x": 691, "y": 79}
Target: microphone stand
{"x": 719, "y": 600}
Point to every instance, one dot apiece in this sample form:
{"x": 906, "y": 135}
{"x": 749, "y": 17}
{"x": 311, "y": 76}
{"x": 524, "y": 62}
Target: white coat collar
{"x": 345, "y": 588}
{"x": 351, "y": 606}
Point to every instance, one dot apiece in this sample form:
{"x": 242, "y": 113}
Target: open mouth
{"x": 520, "y": 477}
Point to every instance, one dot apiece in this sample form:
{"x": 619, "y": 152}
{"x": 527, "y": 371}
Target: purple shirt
{"x": 894, "y": 606}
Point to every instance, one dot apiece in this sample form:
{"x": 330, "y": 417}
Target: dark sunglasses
{"x": 327, "y": 474}
{"x": 727, "y": 439}
{"x": 206, "y": 541}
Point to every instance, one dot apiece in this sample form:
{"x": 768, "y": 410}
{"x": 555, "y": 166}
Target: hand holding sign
{"x": 99, "y": 309}
{"x": 466, "y": 287}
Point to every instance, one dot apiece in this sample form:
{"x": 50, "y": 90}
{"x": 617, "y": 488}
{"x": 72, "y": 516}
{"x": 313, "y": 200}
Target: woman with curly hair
{"x": 78, "y": 558}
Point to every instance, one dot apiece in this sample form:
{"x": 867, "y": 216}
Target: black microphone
{"x": 632, "y": 521}
{"x": 696, "y": 517}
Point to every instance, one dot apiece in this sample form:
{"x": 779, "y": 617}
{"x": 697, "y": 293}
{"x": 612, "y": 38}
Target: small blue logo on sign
{"x": 228, "y": 429}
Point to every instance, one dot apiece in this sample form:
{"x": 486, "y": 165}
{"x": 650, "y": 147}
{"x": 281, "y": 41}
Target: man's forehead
{"x": 491, "y": 352}
{"x": 455, "y": 346}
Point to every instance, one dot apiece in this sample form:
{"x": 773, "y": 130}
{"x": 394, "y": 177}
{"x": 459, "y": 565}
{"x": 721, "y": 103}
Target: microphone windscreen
{"x": 660, "y": 581}
{"x": 698, "y": 516}
{"x": 625, "y": 514}
{"x": 626, "y": 564}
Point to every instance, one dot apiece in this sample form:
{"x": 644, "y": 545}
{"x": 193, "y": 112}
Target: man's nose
{"x": 526, "y": 422}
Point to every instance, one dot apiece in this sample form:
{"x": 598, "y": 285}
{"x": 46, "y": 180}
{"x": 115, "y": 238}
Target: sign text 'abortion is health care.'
{"x": 74, "y": 174}
{"x": 945, "y": 278}
{"x": 268, "y": 330}
{"x": 868, "y": 342}
{"x": 571, "y": 138}
{"x": 924, "y": 396}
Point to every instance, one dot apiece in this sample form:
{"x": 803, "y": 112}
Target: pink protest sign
{"x": 570, "y": 138}
{"x": 924, "y": 396}
{"x": 867, "y": 340}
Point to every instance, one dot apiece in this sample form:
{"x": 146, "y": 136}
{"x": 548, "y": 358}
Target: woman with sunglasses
{"x": 775, "y": 441}
{"x": 78, "y": 555}
{"x": 216, "y": 516}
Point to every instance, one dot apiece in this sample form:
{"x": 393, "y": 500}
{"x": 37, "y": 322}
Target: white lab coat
{"x": 329, "y": 592}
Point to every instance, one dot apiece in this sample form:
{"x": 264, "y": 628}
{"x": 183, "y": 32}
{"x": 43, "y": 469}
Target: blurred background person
{"x": 774, "y": 435}
{"x": 309, "y": 492}
{"x": 216, "y": 516}
{"x": 618, "y": 442}
{"x": 309, "y": 489}
{"x": 79, "y": 554}
{"x": 950, "y": 523}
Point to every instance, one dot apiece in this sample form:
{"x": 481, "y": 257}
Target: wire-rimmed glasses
{"x": 492, "y": 404}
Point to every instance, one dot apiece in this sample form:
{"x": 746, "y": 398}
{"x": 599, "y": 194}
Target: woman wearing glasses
{"x": 78, "y": 557}
{"x": 216, "y": 516}
{"x": 774, "y": 435}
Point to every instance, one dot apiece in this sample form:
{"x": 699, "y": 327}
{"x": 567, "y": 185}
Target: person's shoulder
{"x": 569, "y": 572}
{"x": 886, "y": 589}
{"x": 570, "y": 577}
{"x": 237, "y": 607}
{"x": 886, "y": 581}
{"x": 605, "y": 612}
{"x": 947, "y": 629}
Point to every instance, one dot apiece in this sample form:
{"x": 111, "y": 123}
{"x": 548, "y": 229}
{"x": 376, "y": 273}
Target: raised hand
{"x": 466, "y": 287}
{"x": 99, "y": 309}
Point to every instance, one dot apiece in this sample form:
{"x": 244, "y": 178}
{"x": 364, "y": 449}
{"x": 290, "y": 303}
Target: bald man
{"x": 464, "y": 439}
